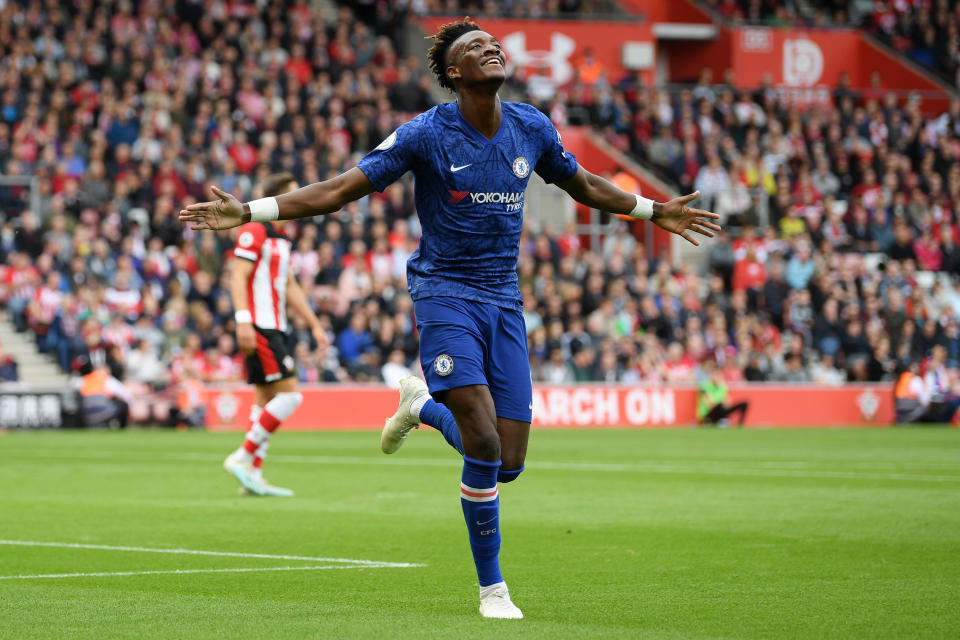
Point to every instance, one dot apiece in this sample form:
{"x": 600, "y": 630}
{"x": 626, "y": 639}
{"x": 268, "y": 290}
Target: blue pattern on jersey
{"x": 469, "y": 193}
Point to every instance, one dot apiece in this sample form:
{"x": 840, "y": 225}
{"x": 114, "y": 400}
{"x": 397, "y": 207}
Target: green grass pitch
{"x": 634, "y": 534}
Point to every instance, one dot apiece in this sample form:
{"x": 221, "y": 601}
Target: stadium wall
{"x": 356, "y": 407}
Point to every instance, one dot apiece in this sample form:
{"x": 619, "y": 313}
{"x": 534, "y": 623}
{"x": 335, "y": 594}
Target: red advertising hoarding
{"x": 354, "y": 407}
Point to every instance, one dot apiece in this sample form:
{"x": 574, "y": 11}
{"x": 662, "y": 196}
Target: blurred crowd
{"x": 927, "y": 31}
{"x": 841, "y": 264}
{"x": 514, "y": 8}
{"x": 844, "y": 258}
{"x": 125, "y": 114}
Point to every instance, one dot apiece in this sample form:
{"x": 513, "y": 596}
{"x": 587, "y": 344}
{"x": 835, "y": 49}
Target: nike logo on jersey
{"x": 487, "y": 522}
{"x": 454, "y": 169}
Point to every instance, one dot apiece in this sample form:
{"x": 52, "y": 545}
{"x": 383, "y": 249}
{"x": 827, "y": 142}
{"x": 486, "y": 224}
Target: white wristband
{"x": 243, "y": 316}
{"x": 644, "y": 208}
{"x": 264, "y": 210}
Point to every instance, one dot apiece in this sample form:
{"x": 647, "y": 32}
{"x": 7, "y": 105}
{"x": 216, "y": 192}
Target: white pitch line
{"x": 735, "y": 470}
{"x": 101, "y": 574}
{"x": 197, "y": 552}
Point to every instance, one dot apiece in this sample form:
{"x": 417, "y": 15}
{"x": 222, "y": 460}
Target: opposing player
{"x": 471, "y": 160}
{"x": 262, "y": 288}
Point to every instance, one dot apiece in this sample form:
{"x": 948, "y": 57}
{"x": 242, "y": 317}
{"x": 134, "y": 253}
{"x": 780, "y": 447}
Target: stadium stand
{"x": 124, "y": 115}
{"x": 927, "y": 32}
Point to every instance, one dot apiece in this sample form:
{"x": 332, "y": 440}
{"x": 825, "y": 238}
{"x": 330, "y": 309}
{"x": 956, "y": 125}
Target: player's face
{"x": 477, "y": 60}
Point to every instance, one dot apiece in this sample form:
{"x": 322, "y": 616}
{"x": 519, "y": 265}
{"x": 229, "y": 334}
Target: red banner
{"x": 337, "y": 407}
{"x": 552, "y": 51}
{"x": 683, "y": 11}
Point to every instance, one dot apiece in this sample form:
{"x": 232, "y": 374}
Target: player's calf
{"x": 275, "y": 412}
{"x": 480, "y": 500}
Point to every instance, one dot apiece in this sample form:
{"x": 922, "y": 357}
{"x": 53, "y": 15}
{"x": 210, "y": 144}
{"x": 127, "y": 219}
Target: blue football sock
{"x": 481, "y": 510}
{"x": 505, "y": 475}
{"x": 439, "y": 417}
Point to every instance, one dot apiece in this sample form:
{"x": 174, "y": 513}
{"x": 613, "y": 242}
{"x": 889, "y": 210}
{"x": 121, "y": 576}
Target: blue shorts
{"x": 464, "y": 342}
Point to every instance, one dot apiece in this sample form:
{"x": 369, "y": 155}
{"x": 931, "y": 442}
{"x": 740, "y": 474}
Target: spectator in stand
{"x": 940, "y": 386}
{"x": 8, "y": 367}
{"x": 749, "y": 274}
{"x": 800, "y": 268}
{"x": 355, "y": 342}
{"x": 712, "y": 179}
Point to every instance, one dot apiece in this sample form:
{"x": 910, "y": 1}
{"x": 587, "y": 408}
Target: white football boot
{"x": 266, "y": 490}
{"x": 398, "y": 426}
{"x": 495, "y": 603}
{"x": 243, "y": 472}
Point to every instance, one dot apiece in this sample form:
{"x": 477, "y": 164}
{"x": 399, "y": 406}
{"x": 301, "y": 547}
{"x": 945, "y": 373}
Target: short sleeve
{"x": 393, "y": 157}
{"x": 556, "y": 164}
{"x": 249, "y": 242}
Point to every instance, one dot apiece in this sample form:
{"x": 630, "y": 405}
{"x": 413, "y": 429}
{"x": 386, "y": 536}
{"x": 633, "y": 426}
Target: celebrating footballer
{"x": 471, "y": 160}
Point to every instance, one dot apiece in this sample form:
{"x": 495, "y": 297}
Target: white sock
{"x": 276, "y": 411}
{"x": 245, "y": 456}
{"x": 283, "y": 404}
{"x": 484, "y": 591}
{"x": 417, "y": 405}
{"x": 261, "y": 453}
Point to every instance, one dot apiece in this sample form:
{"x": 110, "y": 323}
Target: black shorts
{"x": 272, "y": 360}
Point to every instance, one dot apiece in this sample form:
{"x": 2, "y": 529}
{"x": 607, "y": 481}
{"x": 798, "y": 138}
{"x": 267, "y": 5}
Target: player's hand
{"x": 320, "y": 337}
{"x": 676, "y": 217}
{"x": 225, "y": 212}
{"x": 246, "y": 338}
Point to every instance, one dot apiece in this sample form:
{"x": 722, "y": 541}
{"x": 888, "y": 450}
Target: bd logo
{"x": 802, "y": 62}
{"x": 557, "y": 59}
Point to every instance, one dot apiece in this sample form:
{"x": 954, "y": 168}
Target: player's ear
{"x": 453, "y": 71}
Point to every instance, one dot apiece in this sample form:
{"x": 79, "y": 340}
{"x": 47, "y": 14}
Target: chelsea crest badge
{"x": 443, "y": 365}
{"x": 521, "y": 168}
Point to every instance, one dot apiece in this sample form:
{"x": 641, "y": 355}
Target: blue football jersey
{"x": 469, "y": 194}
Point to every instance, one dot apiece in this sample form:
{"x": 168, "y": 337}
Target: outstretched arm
{"x": 314, "y": 199}
{"x": 674, "y": 216}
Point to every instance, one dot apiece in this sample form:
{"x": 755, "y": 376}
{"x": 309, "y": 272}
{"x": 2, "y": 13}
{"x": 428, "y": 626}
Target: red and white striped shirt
{"x": 269, "y": 250}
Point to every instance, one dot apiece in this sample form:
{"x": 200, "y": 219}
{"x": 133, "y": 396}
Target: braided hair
{"x": 442, "y": 39}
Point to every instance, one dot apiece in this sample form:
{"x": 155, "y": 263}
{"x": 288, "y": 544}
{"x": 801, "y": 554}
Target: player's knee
{"x": 486, "y": 447}
{"x": 509, "y": 475}
{"x": 295, "y": 398}
{"x": 286, "y": 402}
